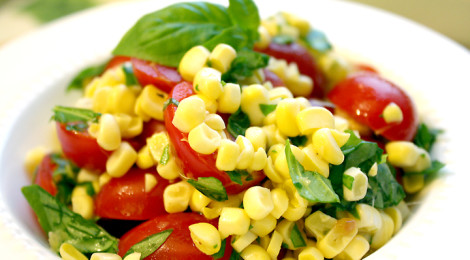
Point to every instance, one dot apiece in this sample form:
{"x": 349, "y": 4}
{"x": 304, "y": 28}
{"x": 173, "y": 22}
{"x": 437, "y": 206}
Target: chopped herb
{"x": 64, "y": 178}
{"x": 267, "y": 108}
{"x": 149, "y": 244}
{"x": 197, "y": 87}
{"x": 170, "y": 101}
{"x": 244, "y": 64}
{"x": 317, "y": 41}
{"x": 434, "y": 168}
{"x": 78, "y": 127}
{"x": 90, "y": 190}
{"x": 83, "y": 77}
{"x": 131, "y": 80}
{"x": 221, "y": 252}
{"x": 348, "y": 181}
{"x": 235, "y": 255}
{"x": 299, "y": 140}
{"x": 426, "y": 137}
{"x": 238, "y": 122}
{"x": 72, "y": 114}
{"x": 165, "y": 155}
{"x": 211, "y": 187}
{"x": 236, "y": 176}
{"x": 296, "y": 237}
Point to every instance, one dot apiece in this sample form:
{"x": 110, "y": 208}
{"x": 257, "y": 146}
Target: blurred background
{"x": 449, "y": 17}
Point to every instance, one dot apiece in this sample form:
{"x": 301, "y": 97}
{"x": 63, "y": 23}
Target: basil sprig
{"x": 73, "y": 114}
{"x": 238, "y": 122}
{"x": 210, "y": 187}
{"x": 82, "y": 78}
{"x": 149, "y": 244}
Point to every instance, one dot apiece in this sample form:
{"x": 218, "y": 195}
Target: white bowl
{"x": 35, "y": 69}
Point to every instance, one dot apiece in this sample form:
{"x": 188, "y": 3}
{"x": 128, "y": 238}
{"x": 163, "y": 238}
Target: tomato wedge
{"x": 162, "y": 77}
{"x": 43, "y": 176}
{"x": 364, "y": 96}
{"x": 126, "y": 198}
{"x": 178, "y": 245}
{"x": 194, "y": 164}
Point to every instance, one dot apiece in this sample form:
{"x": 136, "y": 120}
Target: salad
{"x": 216, "y": 135}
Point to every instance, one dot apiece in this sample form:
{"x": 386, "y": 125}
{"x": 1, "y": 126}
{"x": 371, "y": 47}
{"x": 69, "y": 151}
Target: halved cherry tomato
{"x": 116, "y": 61}
{"x": 178, "y": 245}
{"x": 295, "y": 52}
{"x": 82, "y": 148}
{"x": 126, "y": 198}
{"x": 194, "y": 164}
{"x": 162, "y": 77}
{"x": 44, "y": 175}
{"x": 364, "y": 96}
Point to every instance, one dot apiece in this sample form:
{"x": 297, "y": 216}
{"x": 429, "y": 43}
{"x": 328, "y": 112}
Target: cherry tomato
{"x": 162, "y": 77}
{"x": 295, "y": 52}
{"x": 364, "y": 96}
{"x": 194, "y": 164}
{"x": 178, "y": 245}
{"x": 126, "y": 198}
{"x": 82, "y": 148}
{"x": 116, "y": 61}
{"x": 44, "y": 175}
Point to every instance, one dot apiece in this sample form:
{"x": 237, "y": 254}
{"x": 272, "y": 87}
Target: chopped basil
{"x": 211, "y": 187}
{"x": 79, "y": 81}
{"x": 72, "y": 114}
{"x": 348, "y": 181}
{"x": 165, "y": 155}
{"x": 238, "y": 122}
{"x": 299, "y": 140}
{"x": 64, "y": 178}
{"x": 170, "y": 101}
{"x": 131, "y": 80}
{"x": 221, "y": 252}
{"x": 149, "y": 244}
{"x": 317, "y": 40}
{"x": 77, "y": 126}
{"x": 296, "y": 237}
{"x": 425, "y": 137}
{"x": 434, "y": 168}
{"x": 64, "y": 226}
{"x": 244, "y": 64}
{"x": 235, "y": 255}
{"x": 267, "y": 108}
{"x": 312, "y": 186}
{"x": 236, "y": 176}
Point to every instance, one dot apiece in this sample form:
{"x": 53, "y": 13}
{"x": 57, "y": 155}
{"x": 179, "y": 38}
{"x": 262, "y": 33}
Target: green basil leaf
{"x": 81, "y": 79}
{"x": 238, "y": 122}
{"x": 76, "y": 126}
{"x": 299, "y": 140}
{"x": 221, "y": 252}
{"x": 296, "y": 237}
{"x": 72, "y": 114}
{"x": 235, "y": 255}
{"x": 63, "y": 225}
{"x": 165, "y": 155}
{"x": 244, "y": 14}
{"x": 211, "y": 187}
{"x": 426, "y": 137}
{"x": 317, "y": 41}
{"x": 434, "y": 168}
{"x": 149, "y": 244}
{"x": 244, "y": 64}
{"x": 236, "y": 176}
{"x": 267, "y": 108}
{"x": 171, "y": 101}
{"x": 131, "y": 80}
{"x": 311, "y": 185}
{"x": 348, "y": 181}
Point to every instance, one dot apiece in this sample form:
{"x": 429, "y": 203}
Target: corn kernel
{"x": 152, "y": 101}
{"x": 422, "y": 163}
{"x": 373, "y": 170}
{"x": 286, "y": 113}
{"x": 176, "y": 196}
{"x": 103, "y": 179}
{"x": 241, "y": 242}
{"x": 413, "y": 183}
{"x": 233, "y": 221}
{"x": 264, "y": 39}
{"x": 302, "y": 86}
{"x": 198, "y": 201}
{"x": 338, "y": 237}
{"x": 170, "y": 170}
{"x": 34, "y": 157}
{"x": 215, "y": 207}
{"x": 101, "y": 99}
{"x": 105, "y": 256}
{"x": 384, "y": 234}
{"x": 281, "y": 162}
{"x": 271, "y": 172}
{"x": 358, "y": 188}
{"x": 279, "y": 93}
{"x": 285, "y": 230}
{"x": 274, "y": 246}
{"x": 396, "y": 216}
{"x": 281, "y": 202}
{"x": 252, "y": 96}
{"x": 313, "y": 118}
{"x": 190, "y": 113}
{"x": 156, "y": 145}
{"x": 254, "y": 252}
{"x": 297, "y": 204}
{"x": 313, "y": 161}
{"x": 340, "y": 137}
{"x": 303, "y": 102}
{"x": 301, "y": 24}
{"x": 326, "y": 146}
{"x": 69, "y": 252}
{"x": 150, "y": 182}
{"x": 318, "y": 224}
{"x": 246, "y": 152}
{"x": 341, "y": 124}
{"x": 258, "y": 202}
{"x": 355, "y": 250}
{"x": 121, "y": 100}
{"x": 121, "y": 160}
{"x": 403, "y": 208}
{"x": 83, "y": 205}
{"x": 208, "y": 82}
{"x": 279, "y": 67}
{"x": 263, "y": 227}
{"x": 392, "y": 113}
{"x": 193, "y": 61}
{"x": 206, "y": 237}
{"x": 369, "y": 218}
{"x": 230, "y": 99}
{"x": 310, "y": 253}
{"x": 204, "y": 139}
{"x": 222, "y": 56}
{"x": 128, "y": 125}
{"x": 133, "y": 256}
{"x": 259, "y": 160}
{"x": 257, "y": 137}
{"x": 139, "y": 111}
{"x": 210, "y": 104}
{"x": 144, "y": 158}
{"x": 109, "y": 135}
{"x": 228, "y": 150}
{"x": 402, "y": 153}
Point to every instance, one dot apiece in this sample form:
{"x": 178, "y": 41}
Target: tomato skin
{"x": 150, "y": 73}
{"x": 116, "y": 61}
{"x": 364, "y": 96}
{"x": 125, "y": 197}
{"x": 307, "y": 65}
{"x": 194, "y": 164}
{"x": 44, "y": 175}
{"x": 179, "y": 244}
{"x": 82, "y": 148}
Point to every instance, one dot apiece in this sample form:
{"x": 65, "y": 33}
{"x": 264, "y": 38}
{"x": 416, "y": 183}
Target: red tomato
{"x": 364, "y": 96}
{"x": 178, "y": 245}
{"x": 44, "y": 175}
{"x": 82, "y": 148}
{"x": 116, "y": 61}
{"x": 162, "y": 77}
{"x": 194, "y": 164}
{"x": 295, "y": 52}
{"x": 125, "y": 197}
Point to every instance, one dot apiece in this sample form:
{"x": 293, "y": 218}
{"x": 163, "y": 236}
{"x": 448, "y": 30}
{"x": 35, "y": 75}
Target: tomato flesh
{"x": 364, "y": 96}
{"x": 44, "y": 175}
{"x": 178, "y": 245}
{"x": 150, "y": 73}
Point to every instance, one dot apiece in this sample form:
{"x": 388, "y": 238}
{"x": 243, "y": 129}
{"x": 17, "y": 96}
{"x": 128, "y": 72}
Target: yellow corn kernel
{"x": 176, "y": 196}
{"x": 281, "y": 202}
{"x": 271, "y": 25}
{"x": 144, "y": 158}
{"x": 190, "y": 113}
{"x": 402, "y": 153}
{"x": 259, "y": 160}
{"x": 413, "y": 183}
{"x": 274, "y": 246}
{"x": 310, "y": 253}
{"x": 193, "y": 61}
{"x": 113, "y": 77}
{"x": 279, "y": 93}
{"x": 279, "y": 67}
{"x": 228, "y": 150}
{"x": 264, "y": 241}
{"x": 85, "y": 175}
{"x": 122, "y": 100}
{"x": 340, "y": 137}
{"x": 103, "y": 179}
{"x": 252, "y": 96}
{"x": 109, "y": 135}
{"x": 270, "y": 131}
{"x": 215, "y": 122}
{"x": 301, "y": 24}
{"x": 297, "y": 204}
{"x": 276, "y": 150}
{"x": 384, "y": 234}
{"x": 254, "y": 252}
{"x": 208, "y": 82}
{"x": 369, "y": 218}
{"x": 264, "y": 38}
{"x": 258, "y": 77}
{"x": 150, "y": 182}
{"x": 123, "y": 121}
{"x": 338, "y": 237}
{"x": 271, "y": 172}
{"x": 233, "y": 221}
{"x": 34, "y": 158}
{"x": 206, "y": 237}
{"x": 286, "y": 113}
{"x": 133, "y": 256}
{"x": 134, "y": 128}
{"x": 121, "y": 160}
{"x": 373, "y": 170}
{"x": 392, "y": 113}
{"x": 198, "y": 201}
{"x": 214, "y": 208}
{"x": 258, "y": 202}
{"x": 359, "y": 183}
{"x": 204, "y": 139}
{"x": 82, "y": 203}
{"x": 246, "y": 152}
{"x": 101, "y": 99}
{"x": 423, "y": 162}
{"x": 152, "y": 101}
{"x": 156, "y": 144}
{"x": 139, "y": 111}
{"x": 91, "y": 87}
{"x": 313, "y": 118}
{"x": 257, "y": 137}
{"x": 270, "y": 119}
{"x": 302, "y": 86}
{"x": 284, "y": 228}
{"x": 326, "y": 146}
{"x": 105, "y": 256}
{"x": 170, "y": 170}
{"x": 396, "y": 216}
{"x": 355, "y": 250}
{"x": 242, "y": 241}
{"x": 341, "y": 124}
{"x": 281, "y": 162}
{"x": 313, "y": 161}
{"x": 403, "y": 208}
{"x": 230, "y": 99}
{"x": 69, "y": 252}
{"x": 318, "y": 224}
{"x": 263, "y": 227}
{"x": 222, "y": 56}
{"x": 211, "y": 104}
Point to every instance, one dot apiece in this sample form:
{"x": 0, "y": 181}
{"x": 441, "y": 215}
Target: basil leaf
{"x": 235, "y": 255}
{"x": 165, "y": 155}
{"x": 170, "y": 101}
{"x": 238, "y": 122}
{"x": 244, "y": 64}
{"x": 72, "y": 114}
{"x": 299, "y": 140}
{"x": 149, "y": 244}
{"x": 296, "y": 237}
{"x": 221, "y": 252}
{"x": 267, "y": 108}
{"x": 211, "y": 187}
{"x": 64, "y": 226}
{"x": 64, "y": 176}
{"x": 131, "y": 80}
{"x": 82, "y": 78}
{"x": 76, "y": 126}
{"x": 244, "y": 14}
{"x": 434, "y": 168}
{"x": 312, "y": 186}
{"x": 348, "y": 181}
{"x": 317, "y": 41}
{"x": 425, "y": 137}
{"x": 236, "y": 176}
